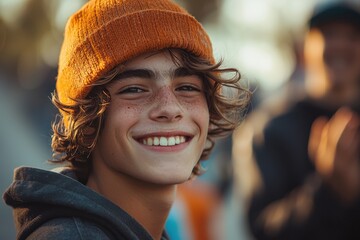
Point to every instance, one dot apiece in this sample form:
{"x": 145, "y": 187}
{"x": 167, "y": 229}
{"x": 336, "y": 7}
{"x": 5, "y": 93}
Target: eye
{"x": 131, "y": 90}
{"x": 189, "y": 88}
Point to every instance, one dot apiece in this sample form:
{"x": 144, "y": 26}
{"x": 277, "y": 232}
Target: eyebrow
{"x": 146, "y": 73}
{"x": 183, "y": 72}
{"x": 140, "y": 73}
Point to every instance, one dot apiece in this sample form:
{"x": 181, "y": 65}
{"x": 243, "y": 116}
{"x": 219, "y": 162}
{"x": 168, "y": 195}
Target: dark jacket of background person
{"x": 294, "y": 203}
{"x": 57, "y": 206}
{"x": 286, "y": 195}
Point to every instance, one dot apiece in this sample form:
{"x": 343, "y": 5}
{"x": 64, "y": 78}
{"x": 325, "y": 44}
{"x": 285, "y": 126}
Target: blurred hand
{"x": 334, "y": 147}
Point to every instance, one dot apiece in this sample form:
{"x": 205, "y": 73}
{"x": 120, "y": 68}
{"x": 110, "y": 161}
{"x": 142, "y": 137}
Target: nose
{"x": 166, "y": 107}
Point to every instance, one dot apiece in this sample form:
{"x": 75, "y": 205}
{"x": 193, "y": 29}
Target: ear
{"x": 89, "y": 135}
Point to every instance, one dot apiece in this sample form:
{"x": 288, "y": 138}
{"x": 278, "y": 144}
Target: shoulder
{"x": 271, "y": 120}
{"x": 289, "y": 122}
{"x": 68, "y": 228}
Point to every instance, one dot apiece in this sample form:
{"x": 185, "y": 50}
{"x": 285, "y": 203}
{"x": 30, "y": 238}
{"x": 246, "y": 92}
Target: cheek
{"x": 119, "y": 118}
{"x": 199, "y": 111}
{"x": 121, "y": 112}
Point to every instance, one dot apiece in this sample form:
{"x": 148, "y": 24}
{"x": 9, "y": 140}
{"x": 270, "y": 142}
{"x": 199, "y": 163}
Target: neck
{"x": 148, "y": 203}
{"x": 334, "y": 100}
{"x": 320, "y": 89}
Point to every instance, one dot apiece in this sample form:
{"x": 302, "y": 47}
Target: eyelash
{"x": 189, "y": 88}
{"x": 131, "y": 90}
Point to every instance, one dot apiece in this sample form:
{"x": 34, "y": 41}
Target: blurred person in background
{"x": 298, "y": 167}
{"x": 141, "y": 101}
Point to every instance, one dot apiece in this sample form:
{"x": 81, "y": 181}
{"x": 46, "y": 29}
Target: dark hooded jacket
{"x": 306, "y": 207}
{"x": 51, "y": 205}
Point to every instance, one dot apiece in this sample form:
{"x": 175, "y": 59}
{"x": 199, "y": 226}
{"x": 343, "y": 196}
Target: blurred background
{"x": 262, "y": 38}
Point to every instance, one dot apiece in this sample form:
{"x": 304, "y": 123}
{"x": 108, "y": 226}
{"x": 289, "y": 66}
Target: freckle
{"x": 128, "y": 107}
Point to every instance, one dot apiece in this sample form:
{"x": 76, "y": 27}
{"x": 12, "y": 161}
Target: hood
{"x": 38, "y": 195}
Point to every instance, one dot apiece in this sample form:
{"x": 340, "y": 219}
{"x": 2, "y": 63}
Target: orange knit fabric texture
{"x": 106, "y": 33}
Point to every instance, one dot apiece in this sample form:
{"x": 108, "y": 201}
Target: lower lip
{"x": 174, "y": 148}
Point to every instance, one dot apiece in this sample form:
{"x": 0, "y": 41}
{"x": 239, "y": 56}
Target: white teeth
{"x": 171, "y": 141}
{"x": 156, "y": 141}
{"x": 163, "y": 141}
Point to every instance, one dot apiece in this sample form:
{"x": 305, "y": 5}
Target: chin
{"x": 171, "y": 179}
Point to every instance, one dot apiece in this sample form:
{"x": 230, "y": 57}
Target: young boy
{"x": 141, "y": 100}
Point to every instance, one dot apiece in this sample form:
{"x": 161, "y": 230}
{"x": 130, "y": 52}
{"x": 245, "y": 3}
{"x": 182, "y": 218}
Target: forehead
{"x": 160, "y": 61}
{"x": 340, "y": 26}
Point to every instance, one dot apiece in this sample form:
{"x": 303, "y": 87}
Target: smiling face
{"x": 156, "y": 125}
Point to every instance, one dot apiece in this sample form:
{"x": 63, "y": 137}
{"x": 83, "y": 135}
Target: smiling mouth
{"x": 163, "y": 141}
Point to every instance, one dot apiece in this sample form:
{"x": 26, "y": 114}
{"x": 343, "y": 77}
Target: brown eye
{"x": 131, "y": 90}
{"x": 189, "y": 88}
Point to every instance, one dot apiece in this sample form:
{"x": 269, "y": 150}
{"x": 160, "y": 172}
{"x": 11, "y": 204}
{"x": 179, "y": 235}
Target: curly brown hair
{"x": 74, "y": 140}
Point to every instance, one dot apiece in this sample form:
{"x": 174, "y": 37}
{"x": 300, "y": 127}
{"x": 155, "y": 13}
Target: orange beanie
{"x": 106, "y": 33}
